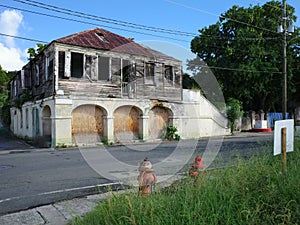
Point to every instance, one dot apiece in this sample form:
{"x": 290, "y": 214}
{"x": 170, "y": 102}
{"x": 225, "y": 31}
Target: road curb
{"x": 62, "y": 212}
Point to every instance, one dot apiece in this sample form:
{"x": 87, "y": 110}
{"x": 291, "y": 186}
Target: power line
{"x": 90, "y": 23}
{"x": 234, "y": 69}
{"x": 24, "y": 38}
{"x": 203, "y": 66}
{"x": 227, "y": 18}
{"x": 122, "y": 29}
{"x": 103, "y": 19}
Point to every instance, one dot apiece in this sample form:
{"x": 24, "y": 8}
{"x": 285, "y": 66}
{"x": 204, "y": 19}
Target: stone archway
{"x": 88, "y": 124}
{"x": 47, "y": 126}
{"x": 126, "y": 123}
{"x": 159, "y": 118}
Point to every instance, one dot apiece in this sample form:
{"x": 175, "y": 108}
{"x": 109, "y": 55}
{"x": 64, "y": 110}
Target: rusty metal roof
{"x": 105, "y": 40}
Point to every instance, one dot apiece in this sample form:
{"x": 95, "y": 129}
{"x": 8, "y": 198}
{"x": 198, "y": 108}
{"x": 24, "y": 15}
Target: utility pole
{"x": 284, "y": 61}
{"x": 284, "y": 94}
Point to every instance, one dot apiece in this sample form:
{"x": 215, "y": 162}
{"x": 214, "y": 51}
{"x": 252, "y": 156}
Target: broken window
{"x": 21, "y": 120}
{"x": 26, "y": 118}
{"x": 126, "y": 70}
{"x": 169, "y": 73}
{"x": 76, "y": 65}
{"x": 61, "y": 64}
{"x": 116, "y": 70}
{"x": 103, "y": 68}
{"x": 91, "y": 67}
{"x": 177, "y": 77}
{"x": 48, "y": 68}
{"x": 37, "y": 74}
{"x": 101, "y": 37}
{"x": 149, "y": 73}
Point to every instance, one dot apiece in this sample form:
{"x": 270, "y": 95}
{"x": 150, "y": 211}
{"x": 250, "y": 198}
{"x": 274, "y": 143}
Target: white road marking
{"x": 60, "y": 191}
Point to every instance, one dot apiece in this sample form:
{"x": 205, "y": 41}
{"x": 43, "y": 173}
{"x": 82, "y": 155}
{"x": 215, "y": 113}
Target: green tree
{"x": 4, "y": 95}
{"x": 234, "y": 111}
{"x": 244, "y": 52}
{"x": 33, "y": 52}
{"x": 4, "y": 79}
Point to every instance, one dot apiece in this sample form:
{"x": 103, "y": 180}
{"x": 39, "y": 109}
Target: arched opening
{"x": 47, "y": 126}
{"x": 159, "y": 118}
{"x": 87, "y": 124}
{"x": 126, "y": 123}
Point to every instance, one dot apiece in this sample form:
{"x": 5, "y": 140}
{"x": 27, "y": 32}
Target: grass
{"x": 255, "y": 192}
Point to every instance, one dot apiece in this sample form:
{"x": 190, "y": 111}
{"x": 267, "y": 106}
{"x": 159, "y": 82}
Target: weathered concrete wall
{"x": 195, "y": 117}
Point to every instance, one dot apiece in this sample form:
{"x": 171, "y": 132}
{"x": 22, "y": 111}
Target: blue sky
{"x": 180, "y": 15}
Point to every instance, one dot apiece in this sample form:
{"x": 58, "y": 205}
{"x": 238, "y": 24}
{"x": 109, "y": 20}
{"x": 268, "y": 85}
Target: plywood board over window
{"x": 87, "y": 124}
{"x": 159, "y": 119}
{"x": 126, "y": 123}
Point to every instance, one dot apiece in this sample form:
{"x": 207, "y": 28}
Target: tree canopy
{"x": 33, "y": 52}
{"x": 244, "y": 52}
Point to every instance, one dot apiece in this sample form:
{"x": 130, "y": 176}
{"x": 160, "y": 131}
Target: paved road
{"x": 38, "y": 177}
{"x": 9, "y": 142}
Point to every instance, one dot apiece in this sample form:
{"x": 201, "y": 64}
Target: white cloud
{"x": 10, "y": 54}
{"x": 10, "y": 58}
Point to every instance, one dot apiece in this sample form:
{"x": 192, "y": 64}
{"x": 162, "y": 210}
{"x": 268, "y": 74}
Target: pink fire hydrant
{"x": 146, "y": 177}
{"x": 197, "y": 167}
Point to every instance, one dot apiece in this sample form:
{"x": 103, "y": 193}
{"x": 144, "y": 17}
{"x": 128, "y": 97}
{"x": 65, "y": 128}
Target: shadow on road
{"x": 9, "y": 142}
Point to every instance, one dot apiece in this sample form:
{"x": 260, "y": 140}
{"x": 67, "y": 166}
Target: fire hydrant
{"x": 146, "y": 177}
{"x": 197, "y": 167}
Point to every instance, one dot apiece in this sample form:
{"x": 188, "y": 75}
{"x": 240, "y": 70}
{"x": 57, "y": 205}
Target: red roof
{"x": 105, "y": 40}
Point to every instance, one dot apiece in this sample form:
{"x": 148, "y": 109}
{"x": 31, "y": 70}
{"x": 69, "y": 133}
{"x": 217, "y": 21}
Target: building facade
{"x": 96, "y": 86}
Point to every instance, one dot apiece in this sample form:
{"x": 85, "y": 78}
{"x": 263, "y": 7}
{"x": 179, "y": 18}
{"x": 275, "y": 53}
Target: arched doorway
{"x": 47, "y": 126}
{"x": 159, "y": 119}
{"x": 87, "y": 124}
{"x": 126, "y": 123}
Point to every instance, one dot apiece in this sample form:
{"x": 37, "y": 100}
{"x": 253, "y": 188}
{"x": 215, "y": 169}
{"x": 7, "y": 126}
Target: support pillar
{"x": 144, "y": 127}
{"x": 109, "y": 129}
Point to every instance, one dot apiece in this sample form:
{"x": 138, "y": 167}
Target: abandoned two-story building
{"x": 97, "y": 86}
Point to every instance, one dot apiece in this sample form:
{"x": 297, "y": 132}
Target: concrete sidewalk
{"x": 61, "y": 213}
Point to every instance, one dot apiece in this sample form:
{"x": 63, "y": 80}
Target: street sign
{"x": 279, "y": 125}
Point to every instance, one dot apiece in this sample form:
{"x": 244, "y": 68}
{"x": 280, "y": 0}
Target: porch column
{"x": 109, "y": 128}
{"x": 144, "y": 127}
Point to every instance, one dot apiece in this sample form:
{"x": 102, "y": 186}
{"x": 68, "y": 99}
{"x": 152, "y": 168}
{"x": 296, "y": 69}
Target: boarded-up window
{"x": 61, "y": 64}
{"x": 149, "y": 73}
{"x": 103, "y": 68}
{"x": 76, "y": 65}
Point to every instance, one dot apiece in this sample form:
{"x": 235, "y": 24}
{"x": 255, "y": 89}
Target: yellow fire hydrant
{"x": 146, "y": 177}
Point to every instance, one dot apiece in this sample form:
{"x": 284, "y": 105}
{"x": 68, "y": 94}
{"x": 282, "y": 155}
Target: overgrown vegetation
{"x": 33, "y": 52}
{"x": 170, "y": 133}
{"x": 234, "y": 111}
{"x": 4, "y": 96}
{"x": 248, "y": 193}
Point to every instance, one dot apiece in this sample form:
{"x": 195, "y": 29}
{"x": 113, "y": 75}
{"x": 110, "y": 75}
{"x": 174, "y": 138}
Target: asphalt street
{"x": 35, "y": 177}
